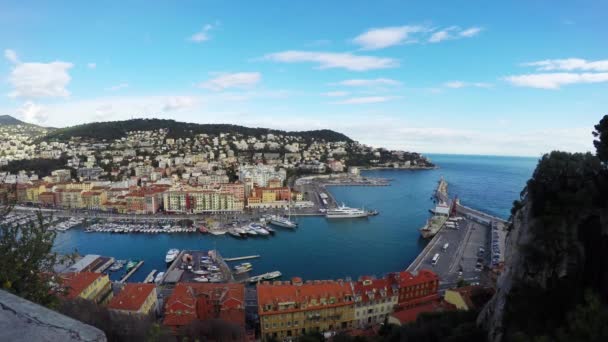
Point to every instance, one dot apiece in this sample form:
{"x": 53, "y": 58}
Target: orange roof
{"x": 191, "y": 301}
{"x": 423, "y": 276}
{"x": 370, "y": 289}
{"x": 269, "y": 294}
{"x": 77, "y": 282}
{"x": 132, "y": 297}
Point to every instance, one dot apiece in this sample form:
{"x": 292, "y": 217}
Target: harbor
{"x": 390, "y": 241}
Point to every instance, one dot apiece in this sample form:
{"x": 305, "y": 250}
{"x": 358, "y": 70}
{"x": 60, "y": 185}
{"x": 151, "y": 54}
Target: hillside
{"x": 9, "y": 120}
{"x": 555, "y": 283}
{"x": 117, "y": 129}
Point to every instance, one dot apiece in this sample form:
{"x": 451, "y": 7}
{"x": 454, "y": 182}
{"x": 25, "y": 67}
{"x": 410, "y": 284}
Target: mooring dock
{"x": 242, "y": 258}
{"x": 133, "y": 270}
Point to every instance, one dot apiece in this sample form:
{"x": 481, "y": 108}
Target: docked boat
{"x": 432, "y": 226}
{"x": 117, "y": 265}
{"x": 200, "y": 272}
{"x": 159, "y": 277}
{"x": 282, "y": 222}
{"x": 201, "y": 279}
{"x": 203, "y": 229}
{"x": 265, "y": 276}
{"x": 235, "y": 234}
{"x": 171, "y": 255}
{"x": 345, "y": 212}
{"x": 130, "y": 265}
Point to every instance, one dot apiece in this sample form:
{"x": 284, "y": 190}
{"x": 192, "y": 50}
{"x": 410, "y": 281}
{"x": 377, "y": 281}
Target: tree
{"x": 601, "y": 145}
{"x": 27, "y": 260}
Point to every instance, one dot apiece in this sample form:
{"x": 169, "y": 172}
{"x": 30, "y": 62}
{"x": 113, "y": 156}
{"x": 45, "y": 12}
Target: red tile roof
{"x": 77, "y": 282}
{"x": 370, "y": 289}
{"x": 191, "y": 301}
{"x": 272, "y": 294}
{"x": 132, "y": 297}
{"x": 406, "y": 278}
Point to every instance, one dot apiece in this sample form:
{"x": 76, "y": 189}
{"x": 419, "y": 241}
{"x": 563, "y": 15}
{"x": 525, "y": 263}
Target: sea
{"x": 338, "y": 249}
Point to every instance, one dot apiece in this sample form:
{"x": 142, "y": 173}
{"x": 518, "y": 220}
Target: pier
{"x": 461, "y": 259}
{"x": 242, "y": 258}
{"x": 133, "y": 270}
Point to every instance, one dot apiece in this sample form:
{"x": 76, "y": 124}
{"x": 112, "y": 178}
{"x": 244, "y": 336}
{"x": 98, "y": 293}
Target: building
{"x": 289, "y": 309}
{"x": 204, "y": 301}
{"x": 375, "y": 300}
{"x": 269, "y": 197}
{"x": 95, "y": 287}
{"x": 468, "y": 297}
{"x": 415, "y": 289}
{"x": 69, "y": 198}
{"x": 135, "y": 299}
{"x": 93, "y": 199}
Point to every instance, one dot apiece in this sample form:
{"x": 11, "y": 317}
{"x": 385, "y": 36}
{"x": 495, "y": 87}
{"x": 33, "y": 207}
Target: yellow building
{"x": 135, "y": 299}
{"x": 86, "y": 186}
{"x": 31, "y": 194}
{"x": 70, "y": 198}
{"x": 93, "y": 199}
{"x": 290, "y": 309}
{"x": 95, "y": 287}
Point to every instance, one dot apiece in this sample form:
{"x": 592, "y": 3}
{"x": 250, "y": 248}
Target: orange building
{"x": 289, "y": 309}
{"x": 423, "y": 286}
{"x": 135, "y": 298}
{"x": 95, "y": 287}
{"x": 203, "y": 301}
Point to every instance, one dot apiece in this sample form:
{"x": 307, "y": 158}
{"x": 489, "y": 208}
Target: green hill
{"x": 9, "y": 120}
{"x": 117, "y": 129}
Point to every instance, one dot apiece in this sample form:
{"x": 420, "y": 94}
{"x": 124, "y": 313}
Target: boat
{"x": 272, "y": 275}
{"x": 432, "y": 226}
{"x": 282, "y": 222}
{"x": 201, "y": 279}
{"x": 373, "y": 212}
{"x": 159, "y": 277}
{"x": 345, "y": 212}
{"x": 117, "y": 265}
{"x": 171, "y": 255}
{"x": 243, "y": 265}
{"x": 265, "y": 276}
{"x": 203, "y": 229}
{"x": 235, "y": 234}
{"x": 130, "y": 265}
{"x": 200, "y": 272}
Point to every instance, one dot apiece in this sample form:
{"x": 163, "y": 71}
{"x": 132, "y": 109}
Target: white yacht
{"x": 171, "y": 255}
{"x": 282, "y": 222}
{"x": 346, "y": 212}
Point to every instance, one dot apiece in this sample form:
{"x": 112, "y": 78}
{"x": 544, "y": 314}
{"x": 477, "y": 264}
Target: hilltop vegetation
{"x": 118, "y": 129}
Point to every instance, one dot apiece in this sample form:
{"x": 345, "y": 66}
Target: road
{"x": 460, "y": 256}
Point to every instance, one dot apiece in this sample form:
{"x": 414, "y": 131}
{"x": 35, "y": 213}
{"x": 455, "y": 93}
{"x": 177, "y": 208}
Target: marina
{"x": 131, "y": 268}
{"x": 390, "y": 240}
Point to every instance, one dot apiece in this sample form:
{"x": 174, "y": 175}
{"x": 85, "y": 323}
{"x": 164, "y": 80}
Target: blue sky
{"x": 472, "y": 77}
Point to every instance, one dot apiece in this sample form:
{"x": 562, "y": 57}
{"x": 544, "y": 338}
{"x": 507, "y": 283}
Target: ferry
{"x": 345, "y": 212}
{"x": 282, "y": 222}
{"x": 171, "y": 255}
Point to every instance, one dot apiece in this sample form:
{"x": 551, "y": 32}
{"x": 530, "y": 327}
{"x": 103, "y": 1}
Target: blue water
{"x": 321, "y": 249}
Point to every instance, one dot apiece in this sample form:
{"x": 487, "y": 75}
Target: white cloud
{"x": 471, "y": 32}
{"x": 32, "y": 113}
{"x": 11, "y": 55}
{"x": 439, "y": 36}
{"x": 379, "y": 38}
{"x": 175, "y": 103}
{"x": 369, "y": 82}
{"x": 118, "y": 87}
{"x": 336, "y": 93}
{"x": 570, "y": 64}
{"x": 366, "y": 99}
{"x": 35, "y": 80}
{"x": 328, "y": 60}
{"x": 202, "y": 35}
{"x": 232, "y": 80}
{"x": 461, "y": 84}
{"x": 91, "y": 65}
{"x": 555, "y": 80}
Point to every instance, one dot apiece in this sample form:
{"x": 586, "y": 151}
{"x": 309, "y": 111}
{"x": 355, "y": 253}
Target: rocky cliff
{"x": 557, "y": 248}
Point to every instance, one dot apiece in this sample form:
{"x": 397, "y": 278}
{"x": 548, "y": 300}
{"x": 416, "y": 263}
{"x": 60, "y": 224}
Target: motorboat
{"x": 159, "y": 277}
{"x": 345, "y": 212}
{"x": 171, "y": 255}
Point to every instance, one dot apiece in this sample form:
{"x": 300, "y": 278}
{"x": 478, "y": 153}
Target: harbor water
{"x": 322, "y": 249}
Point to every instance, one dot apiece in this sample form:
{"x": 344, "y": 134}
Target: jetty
{"x": 242, "y": 258}
{"x": 133, "y": 270}
{"x": 150, "y": 277}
